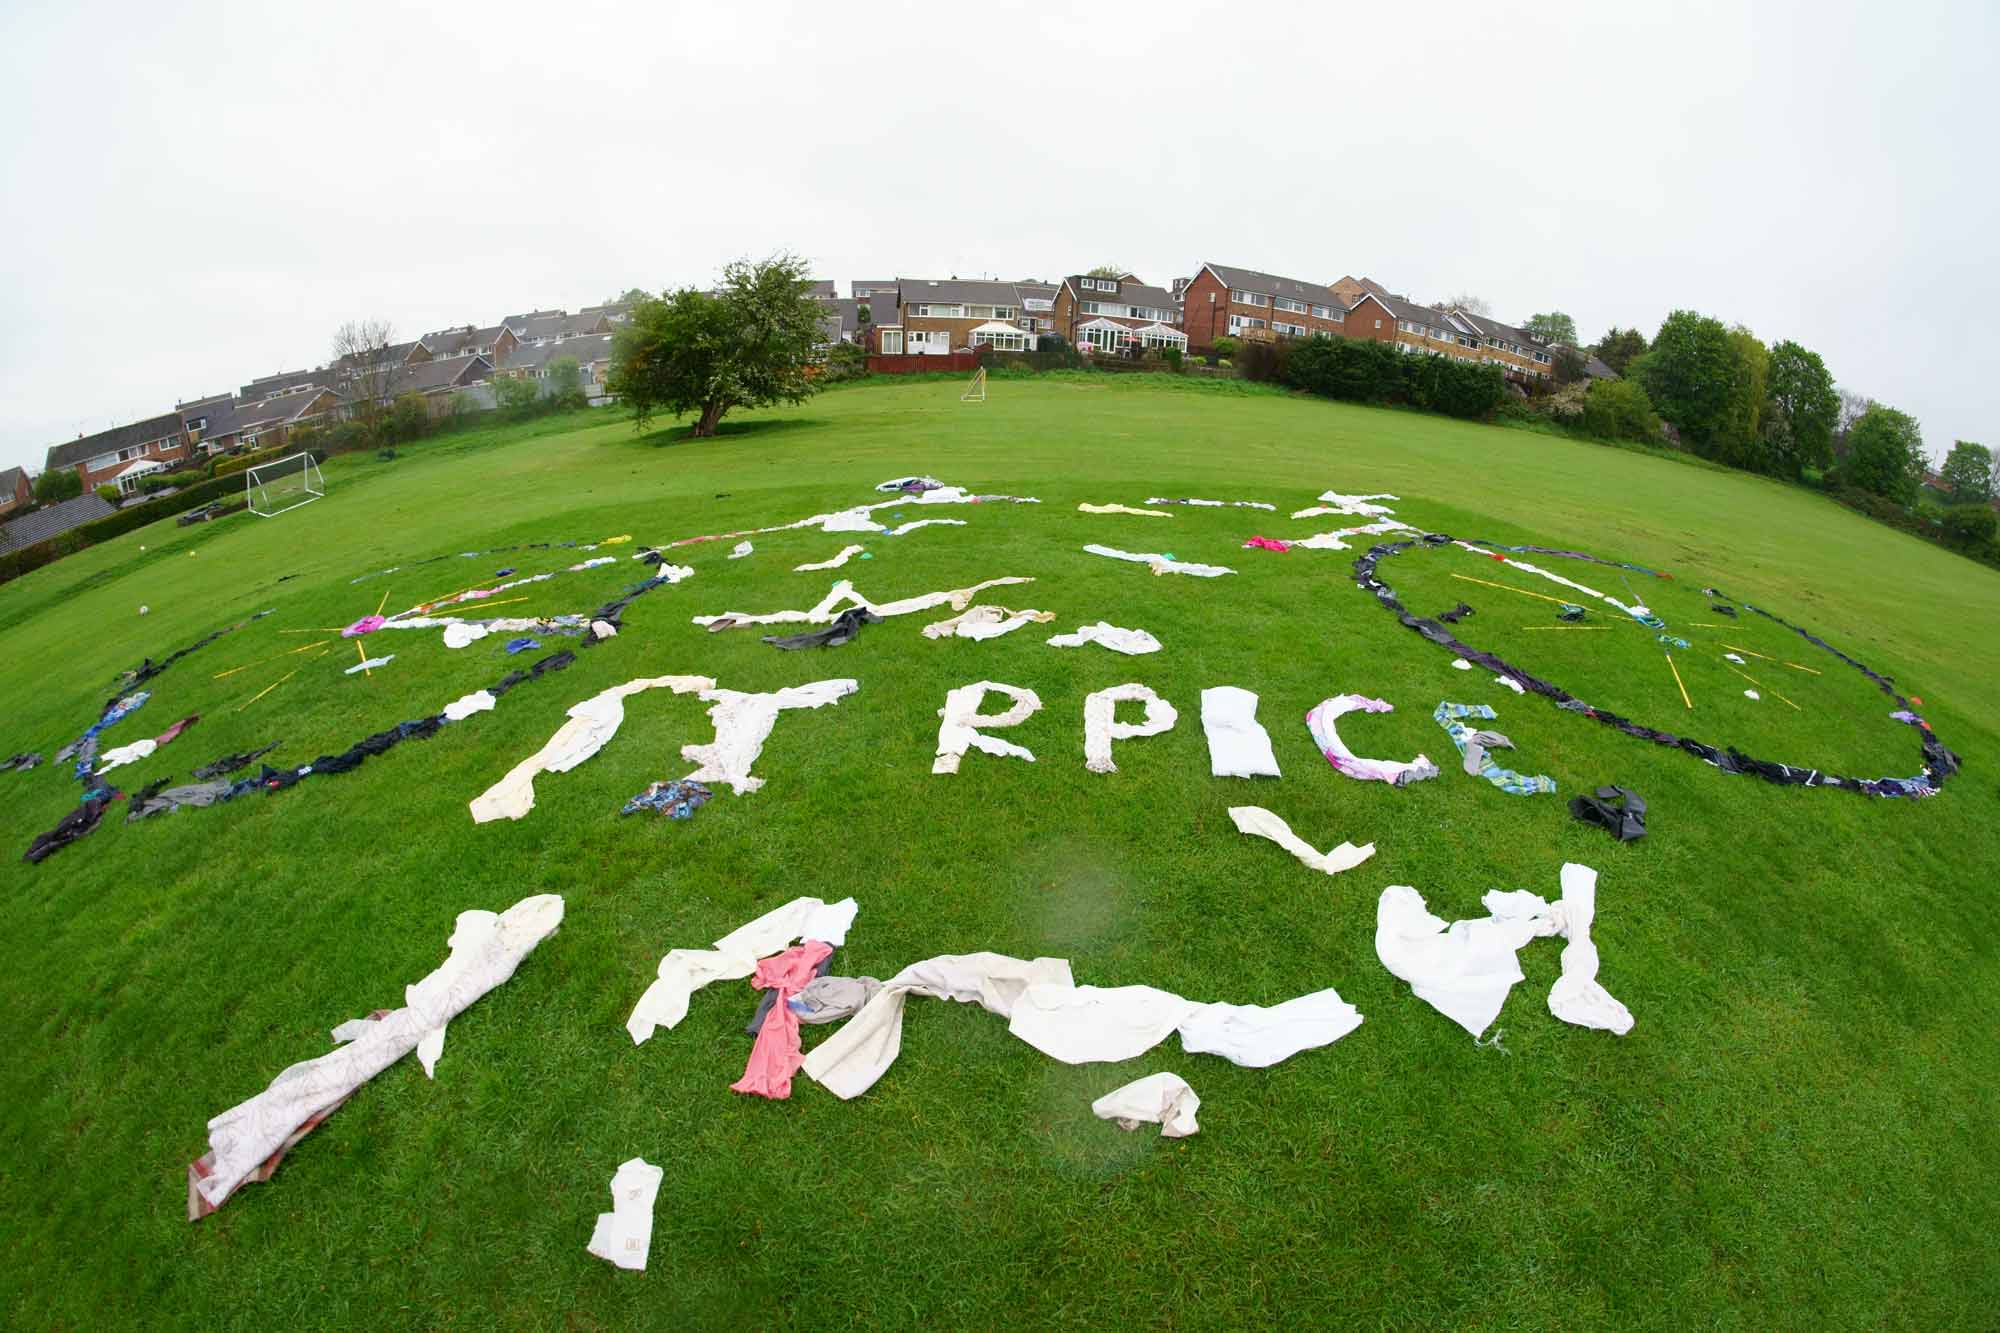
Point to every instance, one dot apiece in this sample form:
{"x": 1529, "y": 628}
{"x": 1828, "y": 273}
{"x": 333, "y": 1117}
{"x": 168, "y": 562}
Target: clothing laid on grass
{"x": 591, "y": 724}
{"x": 1101, "y": 725}
{"x": 963, "y": 723}
{"x": 1336, "y": 503}
{"x": 365, "y": 625}
{"x": 370, "y": 663}
{"x": 830, "y": 999}
{"x": 1261, "y": 823}
{"x": 684, "y": 971}
{"x": 1332, "y": 541}
{"x": 1266, "y": 544}
{"x": 21, "y": 763}
{"x": 1211, "y": 504}
{"x": 1160, "y": 564}
{"x": 1089, "y": 1024}
{"x": 843, "y": 596}
{"x": 137, "y": 750}
{"x": 1238, "y": 745}
{"x": 1123, "y": 509}
{"x": 675, "y": 800}
{"x": 1165, "y": 1100}
{"x": 985, "y": 622}
{"x": 84, "y": 748}
{"x": 160, "y": 799}
{"x": 743, "y": 722}
{"x": 1465, "y": 969}
{"x": 1131, "y": 642}
{"x": 858, "y": 1053}
{"x": 76, "y": 824}
{"x": 844, "y": 628}
{"x": 742, "y": 549}
{"x": 246, "y": 1140}
{"x": 1473, "y": 746}
{"x": 1320, "y": 722}
{"x": 479, "y": 701}
{"x": 846, "y": 553}
{"x": 1617, "y": 810}
{"x": 624, "y": 1236}
{"x": 776, "y": 1055}
{"x": 916, "y": 523}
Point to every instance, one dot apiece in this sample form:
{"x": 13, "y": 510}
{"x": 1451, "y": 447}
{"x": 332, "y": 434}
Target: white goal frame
{"x": 314, "y": 485}
{"x": 976, "y": 391}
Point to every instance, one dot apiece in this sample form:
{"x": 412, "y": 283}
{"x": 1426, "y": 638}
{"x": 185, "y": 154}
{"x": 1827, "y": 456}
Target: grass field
{"x": 1799, "y": 1130}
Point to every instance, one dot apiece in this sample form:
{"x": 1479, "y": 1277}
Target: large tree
{"x": 1886, "y": 454}
{"x": 1555, "y": 327}
{"x": 749, "y": 344}
{"x": 361, "y": 360}
{"x": 56, "y": 484}
{"x": 1689, "y": 374}
{"x": 1803, "y": 409}
{"x": 1619, "y": 348}
{"x": 1967, "y": 473}
{"x": 1740, "y": 440}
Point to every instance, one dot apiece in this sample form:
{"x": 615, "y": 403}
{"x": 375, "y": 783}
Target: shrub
{"x": 409, "y": 417}
{"x": 1265, "y": 362}
{"x": 61, "y": 483}
{"x": 1970, "y": 525}
{"x": 108, "y": 493}
{"x": 516, "y": 394}
{"x": 845, "y": 361}
{"x": 1620, "y": 410}
{"x": 1172, "y": 356}
{"x": 1224, "y": 349}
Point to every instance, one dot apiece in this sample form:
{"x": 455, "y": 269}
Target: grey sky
{"x": 198, "y": 194}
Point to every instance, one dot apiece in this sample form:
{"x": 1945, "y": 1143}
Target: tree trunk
{"x": 711, "y": 416}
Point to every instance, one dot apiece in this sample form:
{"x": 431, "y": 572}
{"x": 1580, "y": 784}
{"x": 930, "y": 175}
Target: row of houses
{"x": 1098, "y": 313}
{"x": 264, "y": 412}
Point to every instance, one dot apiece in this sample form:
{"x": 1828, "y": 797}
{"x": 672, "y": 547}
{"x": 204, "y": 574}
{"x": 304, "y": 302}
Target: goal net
{"x": 975, "y": 392}
{"x": 284, "y": 484}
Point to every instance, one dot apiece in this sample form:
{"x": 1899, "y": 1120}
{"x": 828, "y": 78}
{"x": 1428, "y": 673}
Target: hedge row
{"x": 227, "y": 466}
{"x": 1358, "y": 370}
{"x": 16, "y": 563}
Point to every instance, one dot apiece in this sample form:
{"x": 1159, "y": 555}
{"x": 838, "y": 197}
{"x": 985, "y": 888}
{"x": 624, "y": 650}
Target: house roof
{"x": 52, "y": 520}
{"x": 918, "y": 290}
{"x": 443, "y": 373}
{"x": 822, "y": 289}
{"x": 590, "y": 348}
{"x": 280, "y": 411}
{"x": 1270, "y": 284}
{"x": 118, "y": 437}
{"x": 515, "y": 322}
{"x": 10, "y": 481}
{"x": 847, "y": 310}
{"x": 857, "y": 287}
{"x": 459, "y": 341}
{"x": 1130, "y": 293}
{"x": 1596, "y": 369}
{"x": 288, "y": 379}
{"x": 1365, "y": 284}
{"x": 192, "y": 406}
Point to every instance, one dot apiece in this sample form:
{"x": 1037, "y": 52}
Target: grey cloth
{"x": 770, "y": 997}
{"x": 21, "y": 762}
{"x": 830, "y": 999}
{"x": 173, "y": 798}
{"x": 1477, "y": 744}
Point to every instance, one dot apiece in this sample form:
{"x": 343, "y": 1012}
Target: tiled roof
{"x": 118, "y": 437}
{"x": 53, "y": 520}
{"x": 1270, "y": 284}
{"x": 585, "y": 350}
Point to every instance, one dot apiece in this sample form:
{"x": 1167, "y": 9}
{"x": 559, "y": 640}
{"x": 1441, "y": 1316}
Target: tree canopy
{"x": 1106, "y": 271}
{"x": 1688, "y": 374}
{"x": 1803, "y": 409}
{"x": 58, "y": 483}
{"x": 1555, "y": 327}
{"x": 1968, "y": 473}
{"x": 1886, "y": 453}
{"x": 1619, "y": 348}
{"x": 749, "y": 344}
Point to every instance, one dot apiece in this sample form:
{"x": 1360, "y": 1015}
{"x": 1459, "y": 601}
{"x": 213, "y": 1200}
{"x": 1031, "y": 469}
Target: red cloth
{"x": 776, "y": 1055}
{"x": 1267, "y": 543}
{"x": 177, "y": 728}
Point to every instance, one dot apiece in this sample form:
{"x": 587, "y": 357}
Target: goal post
{"x": 282, "y": 485}
{"x": 976, "y": 391}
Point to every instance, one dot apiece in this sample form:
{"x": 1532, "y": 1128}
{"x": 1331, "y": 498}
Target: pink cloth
{"x": 177, "y": 728}
{"x": 365, "y": 625}
{"x": 776, "y": 1055}
{"x": 1267, "y": 543}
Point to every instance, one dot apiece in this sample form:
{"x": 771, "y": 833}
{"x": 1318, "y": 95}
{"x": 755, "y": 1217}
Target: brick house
{"x": 1243, "y": 303}
{"x": 549, "y": 326}
{"x": 1108, "y": 314}
{"x": 16, "y": 491}
{"x": 1458, "y": 334}
{"x": 437, "y": 380}
{"x": 937, "y": 315}
{"x": 1518, "y": 353}
{"x": 124, "y": 453}
{"x": 492, "y": 343}
{"x": 267, "y": 423}
{"x": 1038, "y": 308}
{"x": 592, "y": 355}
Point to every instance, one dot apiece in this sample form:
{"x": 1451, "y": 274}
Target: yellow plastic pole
{"x": 1678, "y": 681}
{"x": 1504, "y": 587}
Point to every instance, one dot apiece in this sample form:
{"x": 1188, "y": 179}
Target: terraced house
{"x": 1222, "y": 301}
{"x": 1101, "y": 314}
{"x": 123, "y": 454}
{"x": 938, "y": 315}
{"x": 1456, "y": 333}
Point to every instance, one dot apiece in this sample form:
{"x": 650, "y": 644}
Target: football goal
{"x": 976, "y": 391}
{"x": 282, "y": 485}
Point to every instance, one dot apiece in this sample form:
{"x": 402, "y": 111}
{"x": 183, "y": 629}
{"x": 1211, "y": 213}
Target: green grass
{"x": 1799, "y": 1129}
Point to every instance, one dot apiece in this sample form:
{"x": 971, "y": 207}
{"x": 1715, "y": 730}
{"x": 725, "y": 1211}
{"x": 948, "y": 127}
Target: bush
{"x": 238, "y": 462}
{"x": 409, "y": 417}
{"x": 518, "y": 395}
{"x": 1265, "y": 362}
{"x": 58, "y": 484}
{"x": 844, "y": 362}
{"x": 1223, "y": 349}
{"x": 1620, "y": 410}
{"x": 108, "y": 493}
{"x": 1970, "y": 525}
{"x": 1172, "y": 356}
{"x": 1360, "y": 370}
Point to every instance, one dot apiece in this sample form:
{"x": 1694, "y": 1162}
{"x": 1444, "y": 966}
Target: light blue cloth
{"x": 1448, "y": 715}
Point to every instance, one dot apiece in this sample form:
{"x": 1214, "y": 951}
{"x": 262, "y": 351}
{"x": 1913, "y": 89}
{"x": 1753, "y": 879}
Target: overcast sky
{"x": 197, "y": 194}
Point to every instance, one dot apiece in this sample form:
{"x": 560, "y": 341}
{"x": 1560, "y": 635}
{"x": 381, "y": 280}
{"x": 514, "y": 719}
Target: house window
{"x": 1249, "y": 298}
{"x": 1378, "y": 323}
{"x": 1292, "y": 330}
{"x": 1162, "y": 338}
{"x": 1103, "y": 340}
{"x": 1100, "y": 284}
{"x": 1001, "y": 342}
{"x": 1286, "y": 303}
{"x": 1239, "y": 322}
{"x": 1323, "y": 312}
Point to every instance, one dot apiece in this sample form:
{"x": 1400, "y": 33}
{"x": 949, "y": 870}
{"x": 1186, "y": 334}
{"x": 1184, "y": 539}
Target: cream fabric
{"x": 1101, "y": 726}
{"x": 1238, "y": 745}
{"x": 1320, "y": 722}
{"x": 960, "y": 728}
{"x": 849, "y": 1062}
{"x": 985, "y": 622}
{"x": 486, "y": 948}
{"x": 743, "y": 723}
{"x": 1123, "y": 509}
{"x": 591, "y": 723}
{"x": 625, "y": 1234}
{"x": 684, "y": 971}
{"x": 1131, "y": 642}
{"x": 842, "y": 596}
{"x": 1261, "y": 823}
{"x": 479, "y": 701}
{"x": 1160, "y": 564}
{"x": 1165, "y": 1100}
{"x": 846, "y": 553}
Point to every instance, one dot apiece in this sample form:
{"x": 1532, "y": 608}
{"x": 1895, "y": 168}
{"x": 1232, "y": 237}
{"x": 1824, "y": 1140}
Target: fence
{"x": 920, "y": 364}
